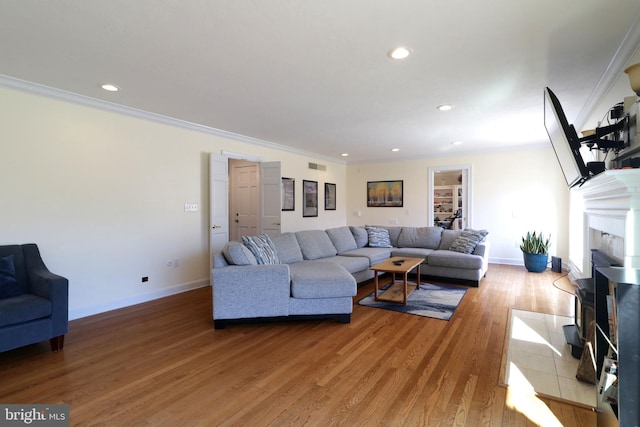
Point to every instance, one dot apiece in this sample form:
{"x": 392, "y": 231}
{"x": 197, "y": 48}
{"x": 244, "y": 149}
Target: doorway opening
{"x": 450, "y": 197}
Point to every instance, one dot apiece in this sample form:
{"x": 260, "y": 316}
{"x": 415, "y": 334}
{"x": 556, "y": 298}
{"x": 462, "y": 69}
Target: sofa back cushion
{"x": 342, "y": 239}
{"x": 287, "y": 248}
{"x": 13, "y": 271}
{"x": 420, "y": 237}
{"x": 360, "y": 235}
{"x": 315, "y": 244}
{"x": 238, "y": 254}
{"x": 447, "y": 239}
{"x": 262, "y": 248}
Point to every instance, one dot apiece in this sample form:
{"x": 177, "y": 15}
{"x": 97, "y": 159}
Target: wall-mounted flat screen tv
{"x": 564, "y": 140}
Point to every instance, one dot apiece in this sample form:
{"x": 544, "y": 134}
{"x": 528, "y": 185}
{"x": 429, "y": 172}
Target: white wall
{"x": 103, "y": 196}
{"x": 513, "y": 192}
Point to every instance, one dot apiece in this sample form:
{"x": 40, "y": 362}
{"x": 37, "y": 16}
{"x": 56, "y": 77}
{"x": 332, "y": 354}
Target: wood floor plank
{"x": 162, "y": 363}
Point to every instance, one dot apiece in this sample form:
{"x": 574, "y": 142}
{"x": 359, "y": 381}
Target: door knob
{"x": 216, "y": 226}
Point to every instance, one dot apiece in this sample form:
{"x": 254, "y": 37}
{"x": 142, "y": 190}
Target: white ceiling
{"x": 314, "y": 75}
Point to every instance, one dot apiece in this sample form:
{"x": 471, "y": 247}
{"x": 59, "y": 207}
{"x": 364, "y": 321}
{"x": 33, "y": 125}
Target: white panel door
{"x": 270, "y": 200}
{"x": 244, "y": 198}
{"x": 218, "y": 204}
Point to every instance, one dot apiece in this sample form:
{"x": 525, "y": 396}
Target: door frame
{"x": 466, "y": 193}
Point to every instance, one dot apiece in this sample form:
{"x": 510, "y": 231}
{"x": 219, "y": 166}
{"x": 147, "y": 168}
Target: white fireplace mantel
{"x": 612, "y": 206}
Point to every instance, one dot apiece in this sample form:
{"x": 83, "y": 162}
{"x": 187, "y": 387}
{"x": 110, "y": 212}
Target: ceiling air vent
{"x": 317, "y": 166}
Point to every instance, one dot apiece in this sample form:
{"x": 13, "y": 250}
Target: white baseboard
{"x": 137, "y": 299}
{"x": 507, "y": 261}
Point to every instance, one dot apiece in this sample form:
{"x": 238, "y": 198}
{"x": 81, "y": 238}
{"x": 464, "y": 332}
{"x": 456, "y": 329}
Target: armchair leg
{"x": 57, "y": 343}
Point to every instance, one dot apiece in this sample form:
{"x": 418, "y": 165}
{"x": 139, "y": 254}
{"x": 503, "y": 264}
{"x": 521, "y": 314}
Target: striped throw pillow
{"x": 262, "y": 248}
{"x": 467, "y": 240}
{"x": 379, "y": 237}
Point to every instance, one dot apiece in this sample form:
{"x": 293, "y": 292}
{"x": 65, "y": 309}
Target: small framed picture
{"x": 329, "y": 197}
{"x": 288, "y": 194}
{"x": 309, "y": 198}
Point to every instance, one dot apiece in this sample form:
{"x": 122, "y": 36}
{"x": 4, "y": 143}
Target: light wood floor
{"x": 162, "y": 363}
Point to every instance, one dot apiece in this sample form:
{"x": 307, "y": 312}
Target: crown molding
{"x": 86, "y": 101}
{"x": 618, "y": 62}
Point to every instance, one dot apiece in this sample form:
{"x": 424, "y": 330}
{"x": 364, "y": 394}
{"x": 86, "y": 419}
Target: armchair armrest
{"x": 251, "y": 291}
{"x": 46, "y": 284}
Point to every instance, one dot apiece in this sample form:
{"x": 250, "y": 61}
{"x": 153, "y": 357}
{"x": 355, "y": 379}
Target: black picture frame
{"x": 309, "y": 198}
{"x": 385, "y": 194}
{"x": 329, "y": 196}
{"x": 288, "y": 194}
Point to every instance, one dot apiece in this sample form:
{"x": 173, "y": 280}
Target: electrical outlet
{"x": 168, "y": 263}
{"x": 176, "y": 263}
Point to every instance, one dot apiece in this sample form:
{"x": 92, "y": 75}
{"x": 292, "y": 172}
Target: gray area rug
{"x": 436, "y": 301}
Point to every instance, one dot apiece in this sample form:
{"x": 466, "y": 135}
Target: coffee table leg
{"x": 405, "y": 287}
{"x": 375, "y": 280}
{"x": 418, "y": 278}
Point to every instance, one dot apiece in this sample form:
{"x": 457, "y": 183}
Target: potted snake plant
{"x": 535, "y": 250}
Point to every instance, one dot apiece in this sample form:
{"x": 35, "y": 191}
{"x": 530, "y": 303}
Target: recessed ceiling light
{"x": 399, "y": 52}
{"x": 445, "y": 107}
{"x": 345, "y": 154}
{"x": 110, "y": 88}
{"x": 395, "y": 149}
{"x": 456, "y": 142}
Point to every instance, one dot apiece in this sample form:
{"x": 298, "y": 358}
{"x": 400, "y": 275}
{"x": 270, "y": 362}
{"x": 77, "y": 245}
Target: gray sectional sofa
{"x": 316, "y": 272}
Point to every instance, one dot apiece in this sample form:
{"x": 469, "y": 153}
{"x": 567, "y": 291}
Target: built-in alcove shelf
{"x": 611, "y": 203}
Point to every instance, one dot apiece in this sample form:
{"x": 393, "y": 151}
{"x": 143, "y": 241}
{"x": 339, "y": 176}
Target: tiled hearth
{"x": 540, "y": 360}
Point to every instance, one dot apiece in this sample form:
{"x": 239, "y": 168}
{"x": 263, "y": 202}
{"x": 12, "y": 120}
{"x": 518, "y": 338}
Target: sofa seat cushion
{"x": 375, "y": 255}
{"x": 352, "y": 264}
{"x": 453, "y": 259}
{"x": 23, "y": 308}
{"x": 318, "y": 279}
{"x": 420, "y": 237}
{"x": 315, "y": 244}
{"x": 412, "y": 252}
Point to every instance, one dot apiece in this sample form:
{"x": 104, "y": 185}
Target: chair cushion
{"x": 315, "y": 244}
{"x": 8, "y": 283}
{"x": 342, "y": 239}
{"x": 468, "y": 239}
{"x": 262, "y": 248}
{"x": 23, "y": 308}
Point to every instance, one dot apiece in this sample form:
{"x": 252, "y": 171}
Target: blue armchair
{"x": 34, "y": 303}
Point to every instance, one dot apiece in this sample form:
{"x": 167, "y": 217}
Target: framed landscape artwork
{"x": 329, "y": 197}
{"x": 288, "y": 194}
{"x": 385, "y": 194}
{"x": 309, "y": 198}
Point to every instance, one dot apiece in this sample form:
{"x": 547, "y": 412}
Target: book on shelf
{"x": 608, "y": 386}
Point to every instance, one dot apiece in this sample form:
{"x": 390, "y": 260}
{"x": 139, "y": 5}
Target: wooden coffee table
{"x": 397, "y": 292}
